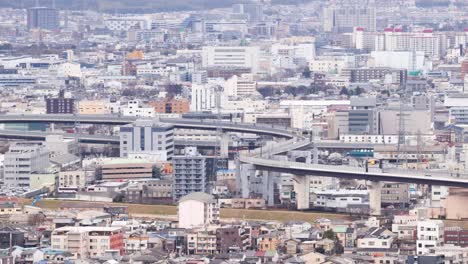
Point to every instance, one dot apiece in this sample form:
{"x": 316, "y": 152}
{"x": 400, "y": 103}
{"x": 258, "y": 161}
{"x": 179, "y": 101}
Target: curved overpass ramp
{"x": 298, "y": 168}
{"x": 259, "y": 157}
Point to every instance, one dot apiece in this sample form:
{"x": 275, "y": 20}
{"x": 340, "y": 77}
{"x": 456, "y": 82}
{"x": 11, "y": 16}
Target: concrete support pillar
{"x": 302, "y": 189}
{"x": 375, "y": 197}
{"x": 238, "y": 176}
{"x": 315, "y": 155}
{"x": 270, "y": 178}
{"x": 246, "y": 172}
{"x": 224, "y": 146}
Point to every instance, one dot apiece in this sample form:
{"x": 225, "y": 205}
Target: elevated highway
{"x": 178, "y": 123}
{"x": 264, "y": 158}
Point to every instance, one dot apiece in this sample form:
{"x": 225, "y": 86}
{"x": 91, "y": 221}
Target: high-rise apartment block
{"x": 190, "y": 173}
{"x": 43, "y": 18}
{"x": 344, "y": 15}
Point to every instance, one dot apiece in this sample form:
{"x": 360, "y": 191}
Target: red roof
{"x": 427, "y": 31}
{"x": 388, "y": 30}
{"x": 359, "y": 29}
{"x": 398, "y": 30}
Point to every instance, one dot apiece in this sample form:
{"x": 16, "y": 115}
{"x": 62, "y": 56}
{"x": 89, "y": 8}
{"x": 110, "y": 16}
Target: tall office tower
{"x": 147, "y": 136}
{"x": 190, "y": 173}
{"x": 252, "y": 11}
{"x": 43, "y": 18}
{"x": 24, "y": 159}
{"x": 344, "y": 15}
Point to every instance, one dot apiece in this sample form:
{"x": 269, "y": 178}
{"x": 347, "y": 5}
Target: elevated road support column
{"x": 245, "y": 173}
{"x": 375, "y": 197}
{"x": 268, "y": 189}
{"x": 301, "y": 187}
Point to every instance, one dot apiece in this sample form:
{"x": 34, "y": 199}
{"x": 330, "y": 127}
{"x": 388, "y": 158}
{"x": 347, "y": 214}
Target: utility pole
{"x": 219, "y": 130}
{"x": 401, "y": 131}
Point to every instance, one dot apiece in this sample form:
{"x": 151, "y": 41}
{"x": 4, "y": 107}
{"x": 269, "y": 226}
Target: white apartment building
{"x": 24, "y": 159}
{"x": 244, "y": 105}
{"x": 146, "y": 136}
{"x": 438, "y": 194}
{"x": 383, "y": 241}
{"x": 242, "y": 57}
{"x": 292, "y": 56}
{"x": 394, "y": 39}
{"x": 75, "y": 179}
{"x": 203, "y": 98}
{"x": 430, "y": 235}
{"x": 197, "y": 210}
{"x": 201, "y": 242}
{"x": 331, "y": 64}
{"x": 87, "y": 241}
{"x": 425, "y": 41}
{"x": 343, "y": 16}
{"x": 366, "y": 40}
{"x": 135, "y": 108}
{"x": 405, "y": 226}
{"x": 136, "y": 243}
{"x": 458, "y": 108}
{"x": 240, "y": 86}
{"x": 409, "y": 60}
{"x": 451, "y": 253}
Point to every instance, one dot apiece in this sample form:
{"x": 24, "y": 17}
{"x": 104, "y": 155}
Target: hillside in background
{"x": 135, "y": 6}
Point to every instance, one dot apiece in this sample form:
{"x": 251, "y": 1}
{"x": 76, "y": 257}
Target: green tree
{"x": 358, "y": 91}
{"x": 266, "y": 91}
{"x": 174, "y": 89}
{"x": 306, "y": 73}
{"x": 156, "y": 172}
{"x": 329, "y": 234}
{"x": 344, "y": 91}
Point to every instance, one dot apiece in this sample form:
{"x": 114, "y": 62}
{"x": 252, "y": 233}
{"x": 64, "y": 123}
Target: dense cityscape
{"x": 234, "y": 131}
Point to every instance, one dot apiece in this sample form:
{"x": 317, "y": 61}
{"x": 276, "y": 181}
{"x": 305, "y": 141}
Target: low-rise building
{"x": 87, "y": 241}
{"x": 93, "y": 108}
{"x": 198, "y": 209}
{"x": 74, "y": 179}
{"x": 122, "y": 169}
{"x": 430, "y": 234}
{"x": 232, "y": 238}
{"x": 201, "y": 243}
{"x": 171, "y": 106}
{"x": 356, "y": 201}
{"x": 380, "y": 238}
{"x": 149, "y": 191}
